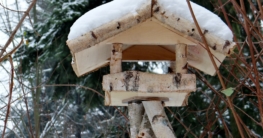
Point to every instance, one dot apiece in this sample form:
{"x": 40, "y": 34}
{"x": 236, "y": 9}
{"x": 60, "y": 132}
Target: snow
{"x": 102, "y": 15}
{"x": 118, "y": 8}
{"x": 206, "y": 19}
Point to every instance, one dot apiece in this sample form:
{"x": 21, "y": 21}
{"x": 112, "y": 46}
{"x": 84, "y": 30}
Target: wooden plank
{"x": 149, "y": 33}
{"x": 92, "y": 59}
{"x": 154, "y": 53}
{"x": 114, "y": 98}
{"x": 148, "y": 82}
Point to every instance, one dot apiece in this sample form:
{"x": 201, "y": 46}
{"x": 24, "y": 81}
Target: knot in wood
{"x": 177, "y": 79}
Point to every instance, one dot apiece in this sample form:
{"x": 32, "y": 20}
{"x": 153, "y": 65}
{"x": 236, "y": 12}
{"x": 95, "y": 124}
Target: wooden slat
{"x": 147, "y": 52}
{"x": 114, "y": 98}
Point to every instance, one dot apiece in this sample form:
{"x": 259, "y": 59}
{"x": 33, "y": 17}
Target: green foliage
{"x": 228, "y": 92}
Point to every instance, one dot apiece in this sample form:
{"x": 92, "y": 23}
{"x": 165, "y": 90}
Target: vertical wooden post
{"x": 181, "y": 64}
{"x": 135, "y": 109}
{"x": 135, "y": 112}
{"x": 115, "y": 66}
{"x": 116, "y": 56}
{"x": 181, "y": 59}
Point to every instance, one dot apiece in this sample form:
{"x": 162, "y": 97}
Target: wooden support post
{"x": 116, "y": 56}
{"x": 135, "y": 112}
{"x": 181, "y": 64}
{"x": 135, "y": 109}
{"x": 158, "y": 119}
{"x": 146, "y": 129}
{"x": 115, "y": 66}
{"x": 181, "y": 59}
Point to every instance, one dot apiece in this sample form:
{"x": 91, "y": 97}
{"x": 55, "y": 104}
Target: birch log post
{"x": 115, "y": 65}
{"x": 135, "y": 112}
{"x": 181, "y": 64}
{"x": 116, "y": 56}
{"x": 181, "y": 59}
{"x": 145, "y": 128}
{"x": 158, "y": 119}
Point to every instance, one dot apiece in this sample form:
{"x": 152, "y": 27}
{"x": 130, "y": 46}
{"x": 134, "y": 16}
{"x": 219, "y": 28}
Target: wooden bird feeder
{"x": 151, "y": 35}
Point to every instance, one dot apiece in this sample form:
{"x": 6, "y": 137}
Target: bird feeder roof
{"x": 149, "y": 30}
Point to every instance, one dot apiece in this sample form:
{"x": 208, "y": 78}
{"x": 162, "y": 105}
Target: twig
{"x": 216, "y": 68}
{"x": 10, "y": 9}
{"x": 11, "y": 52}
{"x": 188, "y": 129}
{"x": 17, "y": 27}
{"x": 10, "y": 93}
{"x": 253, "y": 61}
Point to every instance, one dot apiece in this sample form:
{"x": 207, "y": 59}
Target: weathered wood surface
{"x": 145, "y": 128}
{"x": 149, "y": 83}
{"x": 181, "y": 64}
{"x": 97, "y": 56}
{"x": 116, "y": 98}
{"x": 158, "y": 119}
{"x": 91, "y": 59}
{"x": 181, "y": 58}
{"x": 135, "y": 112}
{"x": 130, "y": 84}
{"x": 110, "y": 29}
{"x": 116, "y": 57}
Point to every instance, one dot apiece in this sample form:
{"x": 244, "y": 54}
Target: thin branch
{"x": 217, "y": 70}
{"x": 10, "y": 9}
{"x": 10, "y": 94}
{"x": 17, "y": 27}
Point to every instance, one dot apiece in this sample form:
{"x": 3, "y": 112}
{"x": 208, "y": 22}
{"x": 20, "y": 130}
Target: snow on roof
{"x": 118, "y": 8}
{"x": 102, "y": 15}
{"x": 206, "y": 19}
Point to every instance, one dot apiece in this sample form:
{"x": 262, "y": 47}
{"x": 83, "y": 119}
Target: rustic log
{"x": 110, "y": 29}
{"x": 158, "y": 119}
{"x": 135, "y": 112}
{"x": 146, "y": 128}
{"x": 135, "y": 81}
{"x": 120, "y": 86}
